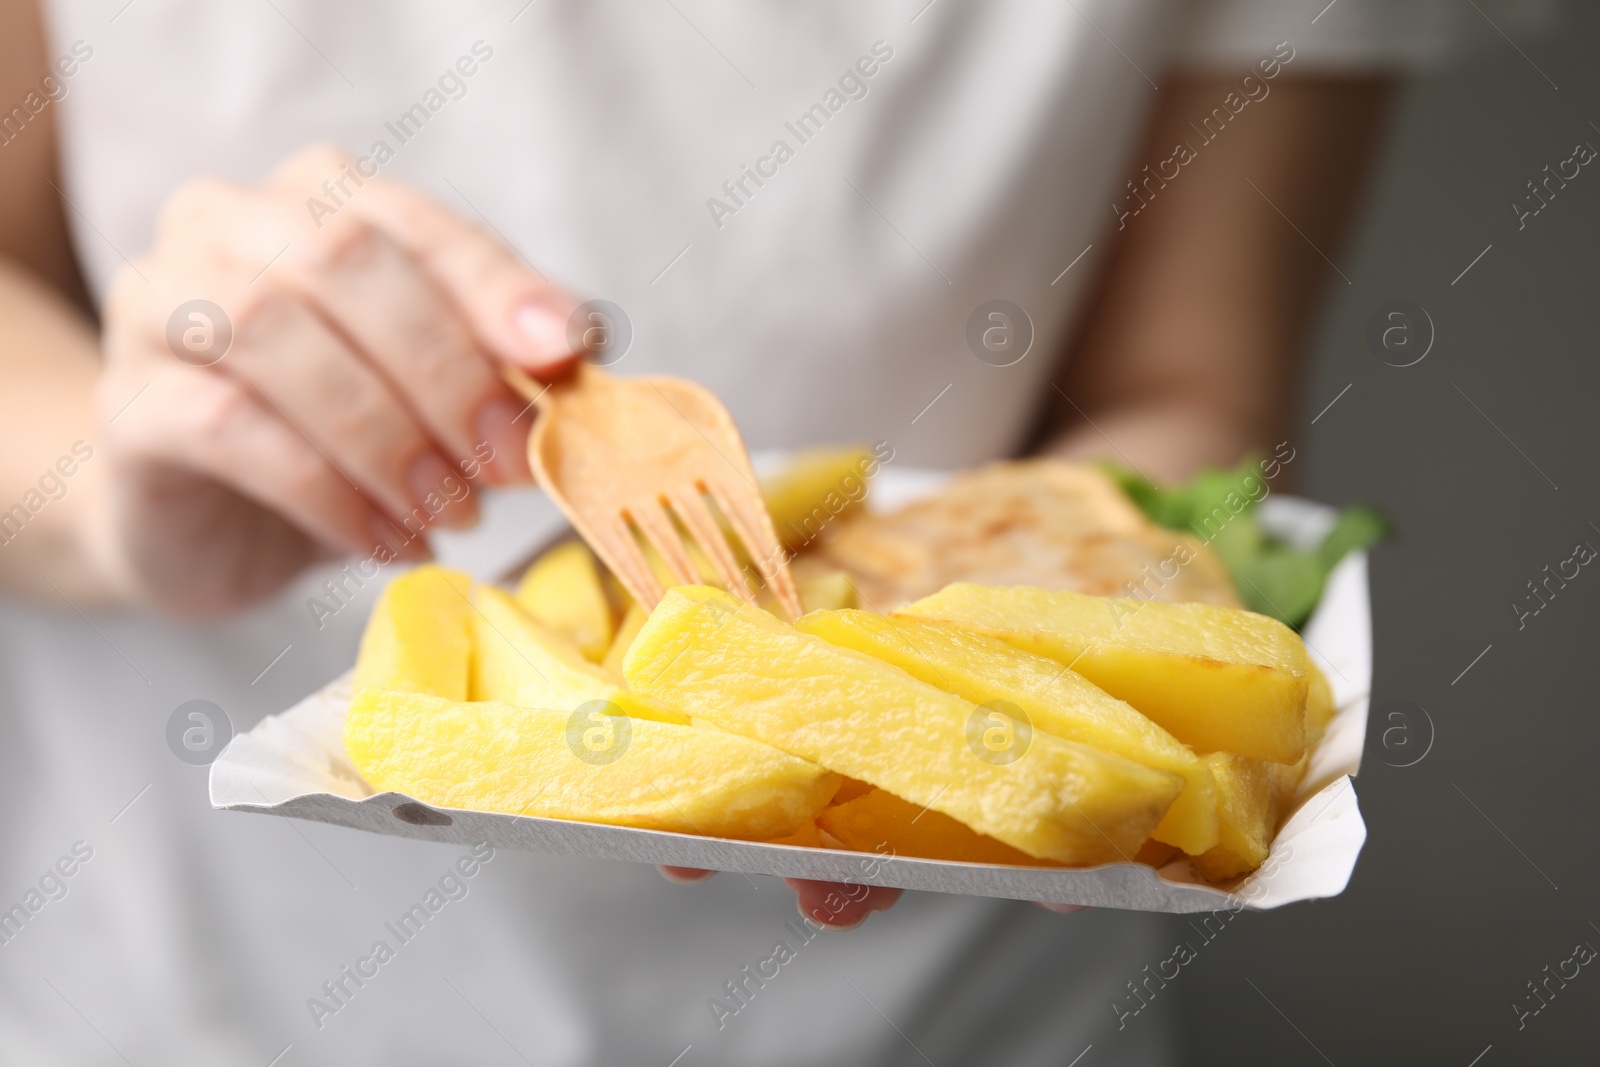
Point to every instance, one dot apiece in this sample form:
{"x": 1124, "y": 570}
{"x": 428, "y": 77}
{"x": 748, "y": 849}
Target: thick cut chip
{"x": 737, "y": 667}
{"x": 814, "y": 489}
{"x": 881, "y": 822}
{"x": 627, "y": 630}
{"x": 986, "y": 670}
{"x": 562, "y": 590}
{"x": 666, "y": 578}
{"x": 827, "y": 592}
{"x": 1156, "y": 854}
{"x": 850, "y": 789}
{"x": 1216, "y": 678}
{"x": 822, "y": 592}
{"x": 1253, "y": 795}
{"x": 538, "y": 761}
{"x": 517, "y": 661}
{"x": 419, "y": 638}
{"x": 808, "y": 836}
{"x": 1320, "y": 708}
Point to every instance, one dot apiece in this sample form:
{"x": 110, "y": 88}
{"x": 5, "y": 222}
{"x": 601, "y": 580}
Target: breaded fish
{"x": 1040, "y": 522}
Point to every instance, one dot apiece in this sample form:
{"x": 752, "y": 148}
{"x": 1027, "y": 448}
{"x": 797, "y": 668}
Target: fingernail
{"x": 832, "y": 922}
{"x": 441, "y": 494}
{"x": 541, "y": 325}
{"x": 396, "y": 542}
{"x": 503, "y": 425}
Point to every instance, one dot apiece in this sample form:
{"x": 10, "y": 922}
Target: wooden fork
{"x": 617, "y": 454}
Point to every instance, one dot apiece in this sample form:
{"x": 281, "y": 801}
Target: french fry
{"x": 627, "y": 630}
{"x": 1253, "y": 796}
{"x": 541, "y": 762}
{"x": 814, "y": 489}
{"x": 1218, "y": 679}
{"x": 984, "y": 669}
{"x": 829, "y": 591}
{"x": 880, "y": 819}
{"x": 807, "y": 836}
{"x": 517, "y": 661}
{"x": 419, "y": 637}
{"x": 737, "y": 667}
{"x": 562, "y": 590}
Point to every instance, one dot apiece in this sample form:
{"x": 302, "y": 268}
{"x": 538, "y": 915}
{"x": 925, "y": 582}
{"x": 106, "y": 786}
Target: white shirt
{"x": 979, "y": 160}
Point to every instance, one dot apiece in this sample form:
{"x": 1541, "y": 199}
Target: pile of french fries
{"x": 982, "y": 724}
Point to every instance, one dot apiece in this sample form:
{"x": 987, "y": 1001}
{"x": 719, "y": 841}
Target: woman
{"x": 220, "y": 383}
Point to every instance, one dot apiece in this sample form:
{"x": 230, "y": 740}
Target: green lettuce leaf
{"x": 1272, "y": 577}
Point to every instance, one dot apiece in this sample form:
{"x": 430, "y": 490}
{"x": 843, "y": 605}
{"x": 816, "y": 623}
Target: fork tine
{"x": 750, "y": 521}
{"x": 691, "y": 508}
{"x": 614, "y": 543}
{"x": 659, "y": 532}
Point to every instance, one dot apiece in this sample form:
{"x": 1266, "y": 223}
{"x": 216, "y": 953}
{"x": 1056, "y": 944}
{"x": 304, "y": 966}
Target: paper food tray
{"x": 294, "y": 764}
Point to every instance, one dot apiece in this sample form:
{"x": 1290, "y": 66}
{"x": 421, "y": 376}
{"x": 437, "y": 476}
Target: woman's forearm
{"x": 51, "y": 474}
{"x": 1188, "y": 355}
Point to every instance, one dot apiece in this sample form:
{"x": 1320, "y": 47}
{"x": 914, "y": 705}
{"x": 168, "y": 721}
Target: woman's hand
{"x": 352, "y": 407}
{"x": 835, "y": 905}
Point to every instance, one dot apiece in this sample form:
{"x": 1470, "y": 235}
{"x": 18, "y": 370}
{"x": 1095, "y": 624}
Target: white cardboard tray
{"x": 294, "y": 764}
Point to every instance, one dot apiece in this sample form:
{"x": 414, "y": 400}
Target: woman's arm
{"x": 353, "y": 398}
{"x": 48, "y": 359}
{"x": 52, "y": 472}
{"x": 1188, "y": 355}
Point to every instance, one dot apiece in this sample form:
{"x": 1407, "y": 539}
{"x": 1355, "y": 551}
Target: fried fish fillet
{"x": 1041, "y": 522}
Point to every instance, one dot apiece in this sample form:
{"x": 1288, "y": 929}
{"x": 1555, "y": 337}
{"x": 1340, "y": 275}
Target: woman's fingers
{"x": 840, "y": 906}
{"x": 834, "y": 904}
{"x": 516, "y": 314}
{"x": 831, "y": 904}
{"x": 344, "y": 338}
{"x": 338, "y": 402}
{"x": 192, "y": 419}
{"x": 421, "y": 289}
{"x": 398, "y": 320}
{"x": 347, "y": 378}
{"x": 510, "y": 309}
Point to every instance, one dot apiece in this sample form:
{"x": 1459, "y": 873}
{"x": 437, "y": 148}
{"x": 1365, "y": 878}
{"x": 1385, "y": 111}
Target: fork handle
{"x": 535, "y": 392}
{"x": 521, "y": 383}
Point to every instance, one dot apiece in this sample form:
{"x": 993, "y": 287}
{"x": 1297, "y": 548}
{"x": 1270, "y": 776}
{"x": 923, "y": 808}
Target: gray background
{"x": 1449, "y": 914}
